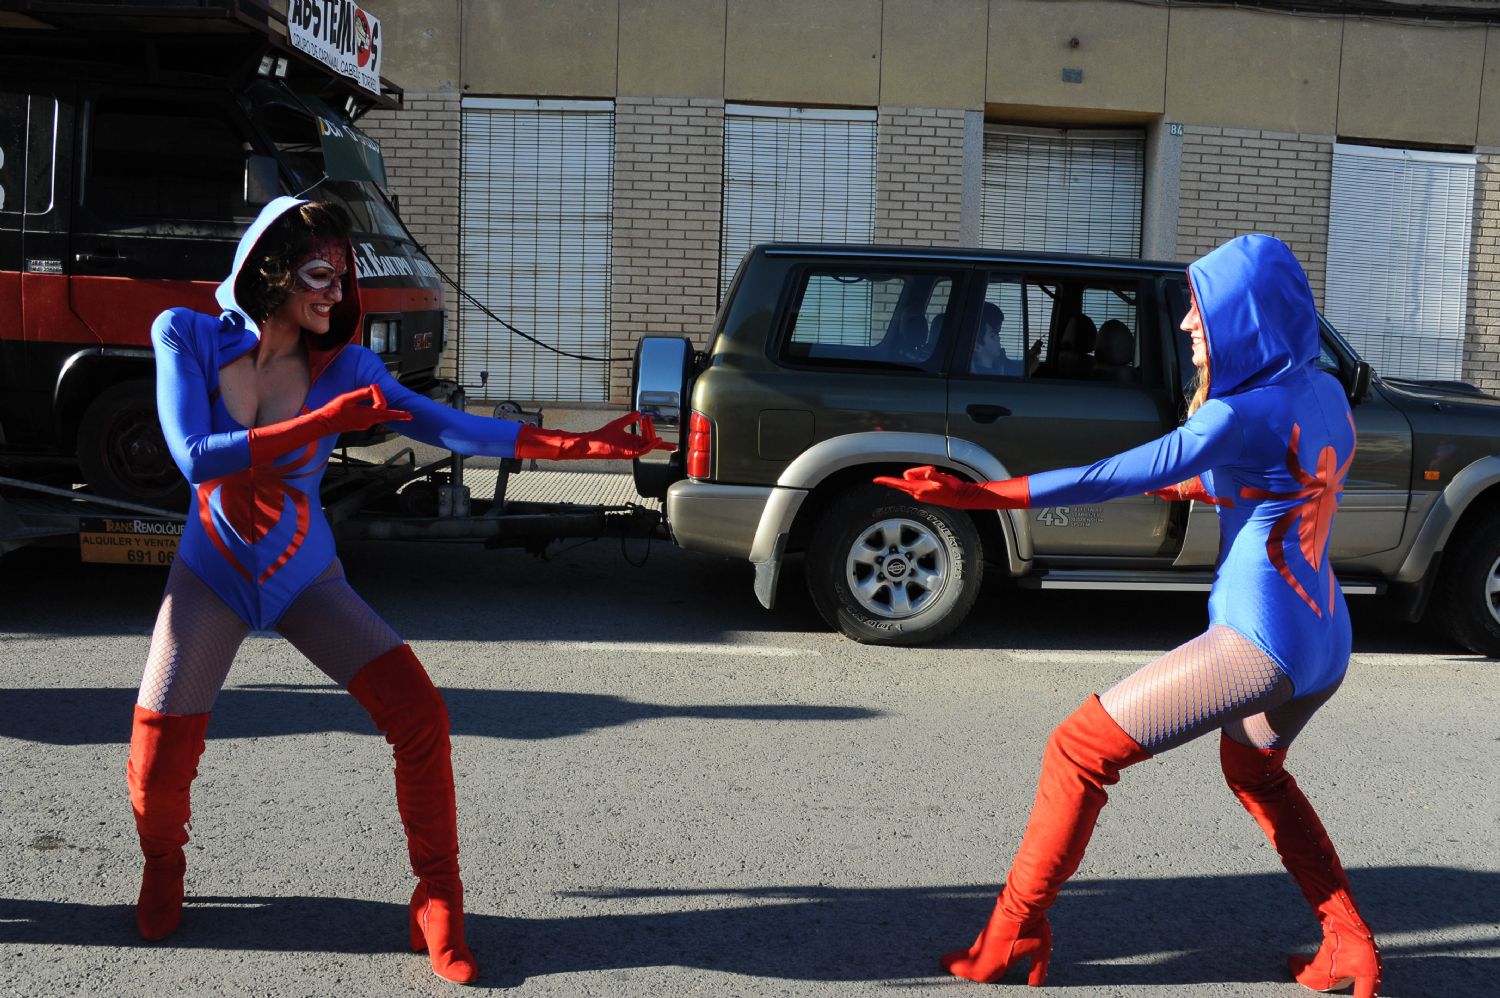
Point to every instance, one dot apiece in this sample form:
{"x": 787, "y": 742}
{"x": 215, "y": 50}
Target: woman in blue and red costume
{"x": 251, "y": 403}
{"x": 1268, "y": 440}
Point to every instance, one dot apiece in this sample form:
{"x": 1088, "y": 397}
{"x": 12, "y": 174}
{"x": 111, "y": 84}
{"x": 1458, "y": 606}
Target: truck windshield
{"x": 294, "y": 132}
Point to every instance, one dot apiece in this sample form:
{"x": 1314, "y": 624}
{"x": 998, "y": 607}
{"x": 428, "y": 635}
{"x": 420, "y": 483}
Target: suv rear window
{"x": 870, "y": 318}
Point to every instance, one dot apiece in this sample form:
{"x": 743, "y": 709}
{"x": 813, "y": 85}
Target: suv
{"x": 830, "y": 365}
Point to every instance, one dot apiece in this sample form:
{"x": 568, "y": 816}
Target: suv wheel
{"x": 887, "y": 570}
{"x": 1467, "y": 602}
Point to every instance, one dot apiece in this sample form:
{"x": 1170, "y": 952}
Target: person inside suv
{"x": 989, "y": 354}
{"x": 1269, "y": 440}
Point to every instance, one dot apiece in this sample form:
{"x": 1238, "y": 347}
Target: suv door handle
{"x": 986, "y": 413}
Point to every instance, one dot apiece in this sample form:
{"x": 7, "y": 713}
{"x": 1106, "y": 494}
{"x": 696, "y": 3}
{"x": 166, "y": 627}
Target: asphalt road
{"x": 664, "y": 790}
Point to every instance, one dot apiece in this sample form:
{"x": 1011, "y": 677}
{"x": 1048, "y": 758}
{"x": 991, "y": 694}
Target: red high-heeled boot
{"x": 164, "y": 752}
{"x": 404, "y": 704}
{"x": 1084, "y": 754}
{"x": 1348, "y": 954}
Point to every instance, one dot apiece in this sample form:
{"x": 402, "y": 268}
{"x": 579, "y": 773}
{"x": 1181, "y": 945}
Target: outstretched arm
{"x": 1210, "y": 438}
{"x": 466, "y": 433}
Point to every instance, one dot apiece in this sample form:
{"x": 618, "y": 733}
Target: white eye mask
{"x": 323, "y": 266}
{"x": 317, "y": 275}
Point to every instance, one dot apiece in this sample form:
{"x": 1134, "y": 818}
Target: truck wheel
{"x": 890, "y": 571}
{"x": 122, "y": 453}
{"x": 1467, "y": 601}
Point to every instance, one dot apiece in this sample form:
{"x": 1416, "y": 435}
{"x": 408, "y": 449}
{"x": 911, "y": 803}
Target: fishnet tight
{"x": 1217, "y": 680}
{"x": 197, "y": 635}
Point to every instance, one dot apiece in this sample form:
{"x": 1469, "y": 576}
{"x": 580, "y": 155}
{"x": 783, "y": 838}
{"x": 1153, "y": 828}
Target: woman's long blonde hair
{"x": 1199, "y": 393}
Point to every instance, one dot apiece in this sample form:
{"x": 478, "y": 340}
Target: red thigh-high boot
{"x": 164, "y": 751}
{"x": 1348, "y": 953}
{"x": 409, "y": 710}
{"x": 1083, "y": 756}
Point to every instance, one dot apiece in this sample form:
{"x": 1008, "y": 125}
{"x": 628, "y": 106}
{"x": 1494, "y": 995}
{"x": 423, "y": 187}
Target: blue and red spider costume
{"x": 1269, "y": 443}
{"x": 258, "y": 553}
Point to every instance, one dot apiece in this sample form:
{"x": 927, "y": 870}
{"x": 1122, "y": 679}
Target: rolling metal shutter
{"x": 805, "y": 174}
{"x": 1062, "y": 191}
{"x": 1399, "y": 223}
{"x": 536, "y": 213}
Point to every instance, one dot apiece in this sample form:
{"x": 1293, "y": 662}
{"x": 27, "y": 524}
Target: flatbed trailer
{"x": 395, "y": 499}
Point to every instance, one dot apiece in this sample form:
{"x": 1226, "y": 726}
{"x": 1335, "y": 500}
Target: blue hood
{"x": 345, "y": 326}
{"x": 1259, "y": 319}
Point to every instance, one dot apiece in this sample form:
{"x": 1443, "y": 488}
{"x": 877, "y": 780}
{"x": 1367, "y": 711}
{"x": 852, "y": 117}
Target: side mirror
{"x": 262, "y": 180}
{"x": 1359, "y": 383}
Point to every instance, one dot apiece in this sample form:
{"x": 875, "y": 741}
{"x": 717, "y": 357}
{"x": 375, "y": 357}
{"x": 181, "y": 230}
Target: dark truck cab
{"x": 137, "y": 140}
{"x": 829, "y": 365}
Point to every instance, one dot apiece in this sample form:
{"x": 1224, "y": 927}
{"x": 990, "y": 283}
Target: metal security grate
{"x": 1062, "y": 191}
{"x": 790, "y": 173}
{"x": 1399, "y": 222}
{"x": 537, "y": 212}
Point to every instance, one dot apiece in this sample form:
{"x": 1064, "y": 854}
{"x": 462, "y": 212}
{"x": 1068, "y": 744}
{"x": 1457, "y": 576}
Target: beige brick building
{"x": 1236, "y": 119}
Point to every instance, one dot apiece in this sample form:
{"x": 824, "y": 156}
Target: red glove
{"x": 927, "y": 484}
{"x": 356, "y": 410}
{"x": 1190, "y": 489}
{"x": 612, "y": 440}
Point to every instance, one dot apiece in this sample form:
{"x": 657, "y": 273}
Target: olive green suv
{"x": 830, "y": 365}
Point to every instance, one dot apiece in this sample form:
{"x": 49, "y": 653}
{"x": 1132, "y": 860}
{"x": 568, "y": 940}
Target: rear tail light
{"x": 699, "y": 445}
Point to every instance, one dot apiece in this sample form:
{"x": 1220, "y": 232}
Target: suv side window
{"x": 870, "y": 318}
{"x": 1078, "y": 329}
{"x": 154, "y": 161}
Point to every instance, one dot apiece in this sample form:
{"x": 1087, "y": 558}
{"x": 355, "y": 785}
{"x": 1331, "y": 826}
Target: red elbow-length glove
{"x": 1191, "y": 489}
{"x": 612, "y": 440}
{"x": 356, "y": 410}
{"x": 927, "y": 484}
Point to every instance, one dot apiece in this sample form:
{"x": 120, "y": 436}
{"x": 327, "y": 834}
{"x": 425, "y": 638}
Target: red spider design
{"x": 252, "y": 502}
{"x": 1313, "y": 515}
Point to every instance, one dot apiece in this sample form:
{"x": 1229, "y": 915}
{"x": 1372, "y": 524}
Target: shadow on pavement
{"x": 1177, "y": 931}
{"x": 82, "y": 716}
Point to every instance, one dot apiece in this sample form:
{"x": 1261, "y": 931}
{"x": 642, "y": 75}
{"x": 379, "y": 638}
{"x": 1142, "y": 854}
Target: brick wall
{"x": 669, "y": 166}
{"x": 1482, "y": 336}
{"x": 919, "y": 176}
{"x": 1237, "y": 180}
{"x": 421, "y": 147}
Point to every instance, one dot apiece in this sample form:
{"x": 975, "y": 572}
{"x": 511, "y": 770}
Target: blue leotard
{"x": 1275, "y": 439}
{"x": 257, "y": 535}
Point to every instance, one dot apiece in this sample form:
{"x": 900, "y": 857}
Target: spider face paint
{"x": 322, "y": 266}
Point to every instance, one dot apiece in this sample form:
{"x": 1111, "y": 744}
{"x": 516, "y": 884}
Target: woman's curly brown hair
{"x": 269, "y": 277}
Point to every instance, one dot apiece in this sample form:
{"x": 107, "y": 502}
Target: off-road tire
{"x": 121, "y": 451}
{"x": 954, "y": 551}
{"x": 1466, "y": 603}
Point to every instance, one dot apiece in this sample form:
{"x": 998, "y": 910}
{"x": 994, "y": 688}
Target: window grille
{"x": 1062, "y": 191}
{"x": 1399, "y": 222}
{"x": 795, "y": 174}
{"x": 536, "y": 214}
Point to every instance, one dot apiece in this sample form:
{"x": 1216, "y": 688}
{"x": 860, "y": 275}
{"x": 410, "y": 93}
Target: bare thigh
{"x": 1216, "y": 679}
{"x": 336, "y": 629}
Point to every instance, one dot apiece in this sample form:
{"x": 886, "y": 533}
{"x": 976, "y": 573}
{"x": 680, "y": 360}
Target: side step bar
{"x": 1182, "y": 582}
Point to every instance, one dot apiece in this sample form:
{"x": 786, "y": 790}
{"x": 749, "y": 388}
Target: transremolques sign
{"x": 339, "y": 33}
